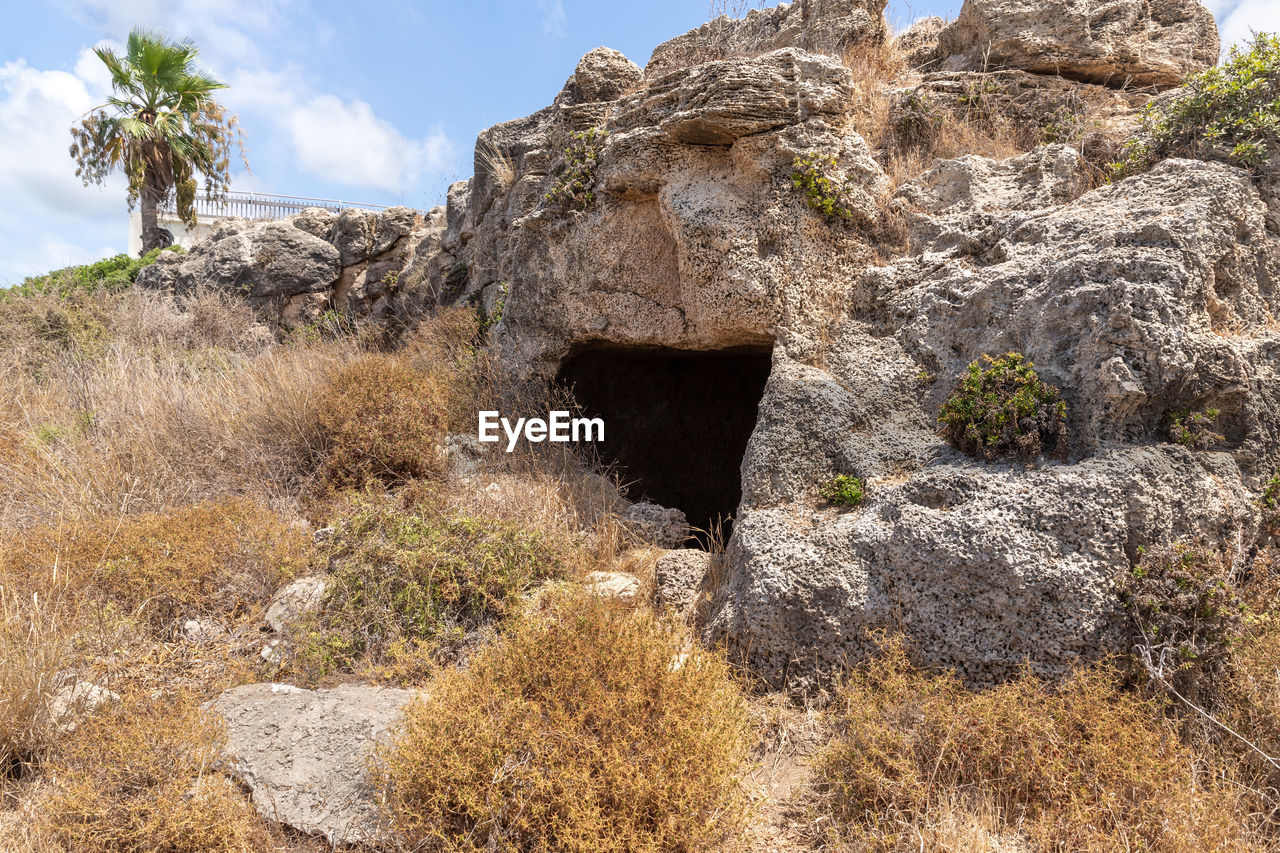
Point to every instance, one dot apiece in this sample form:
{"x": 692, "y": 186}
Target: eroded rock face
{"x": 301, "y": 266}
{"x": 303, "y": 754}
{"x": 1136, "y": 300}
{"x": 699, "y": 240}
{"x": 829, "y": 27}
{"x": 1115, "y": 43}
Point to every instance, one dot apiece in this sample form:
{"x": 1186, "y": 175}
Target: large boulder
{"x": 1115, "y": 43}
{"x": 830, "y": 27}
{"x": 605, "y": 74}
{"x": 1137, "y": 300}
{"x": 303, "y": 754}
{"x": 265, "y": 260}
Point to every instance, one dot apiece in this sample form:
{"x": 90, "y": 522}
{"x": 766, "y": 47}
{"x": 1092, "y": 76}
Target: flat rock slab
{"x": 303, "y": 754}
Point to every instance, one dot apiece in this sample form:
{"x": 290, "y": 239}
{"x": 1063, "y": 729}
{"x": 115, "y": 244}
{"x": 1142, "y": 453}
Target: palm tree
{"x": 161, "y": 127}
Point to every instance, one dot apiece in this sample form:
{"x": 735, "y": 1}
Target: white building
{"x": 259, "y": 206}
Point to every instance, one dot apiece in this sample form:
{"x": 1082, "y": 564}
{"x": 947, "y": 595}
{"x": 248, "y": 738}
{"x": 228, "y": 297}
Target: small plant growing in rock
{"x": 1270, "y": 502}
{"x": 1186, "y": 612}
{"x": 844, "y": 490}
{"x": 823, "y": 194}
{"x": 1192, "y": 429}
{"x": 1230, "y": 112}
{"x": 489, "y": 319}
{"x": 577, "y": 183}
{"x": 1002, "y": 407}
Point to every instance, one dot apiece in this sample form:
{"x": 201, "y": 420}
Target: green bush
{"x": 114, "y": 273}
{"x": 821, "y": 192}
{"x": 844, "y": 490}
{"x": 410, "y": 583}
{"x": 1230, "y": 113}
{"x": 576, "y": 185}
{"x": 1192, "y": 429}
{"x": 1002, "y": 407}
{"x": 1186, "y": 609}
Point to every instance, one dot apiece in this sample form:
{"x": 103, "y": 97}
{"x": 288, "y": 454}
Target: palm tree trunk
{"x": 153, "y": 236}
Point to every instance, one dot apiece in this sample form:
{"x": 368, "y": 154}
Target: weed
{"x": 844, "y": 490}
{"x": 1192, "y": 429}
{"x": 34, "y": 648}
{"x": 218, "y": 559}
{"x": 1080, "y": 767}
{"x": 111, "y": 274}
{"x": 576, "y": 184}
{"x": 827, "y": 195}
{"x": 140, "y": 775}
{"x": 412, "y": 583}
{"x": 1001, "y": 406}
{"x": 1186, "y": 613}
{"x": 587, "y": 727}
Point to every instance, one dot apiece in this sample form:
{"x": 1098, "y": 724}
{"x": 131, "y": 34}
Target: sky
{"x": 375, "y": 101}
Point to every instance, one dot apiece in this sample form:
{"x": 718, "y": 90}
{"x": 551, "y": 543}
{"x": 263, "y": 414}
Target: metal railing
{"x": 261, "y": 205}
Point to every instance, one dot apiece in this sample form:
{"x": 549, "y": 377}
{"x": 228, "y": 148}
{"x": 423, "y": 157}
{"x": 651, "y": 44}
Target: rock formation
{"x": 1138, "y": 299}
{"x": 302, "y": 754}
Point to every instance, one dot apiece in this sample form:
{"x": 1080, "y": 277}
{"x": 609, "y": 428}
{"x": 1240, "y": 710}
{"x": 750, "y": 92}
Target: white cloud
{"x": 1239, "y": 19}
{"x": 345, "y": 142}
{"x": 37, "y": 109}
{"x": 553, "y": 17}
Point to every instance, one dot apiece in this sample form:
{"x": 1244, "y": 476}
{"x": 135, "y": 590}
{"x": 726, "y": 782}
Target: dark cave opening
{"x": 676, "y": 422}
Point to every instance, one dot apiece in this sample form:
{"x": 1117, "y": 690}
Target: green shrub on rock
{"x": 1230, "y": 113}
{"x": 1002, "y": 408}
{"x": 576, "y": 185}
{"x": 821, "y": 192}
{"x": 114, "y": 273}
{"x": 844, "y": 490}
{"x": 1192, "y": 429}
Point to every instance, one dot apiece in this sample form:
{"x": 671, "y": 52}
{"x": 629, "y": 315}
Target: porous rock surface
{"x": 829, "y": 27}
{"x": 1113, "y": 42}
{"x": 1138, "y": 299}
{"x": 303, "y": 753}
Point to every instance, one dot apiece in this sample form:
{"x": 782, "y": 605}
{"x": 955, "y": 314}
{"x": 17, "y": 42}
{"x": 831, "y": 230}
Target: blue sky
{"x": 376, "y": 101}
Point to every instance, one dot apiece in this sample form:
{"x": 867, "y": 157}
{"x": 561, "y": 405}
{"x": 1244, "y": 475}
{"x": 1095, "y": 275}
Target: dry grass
{"x": 140, "y": 775}
{"x": 218, "y": 559}
{"x": 382, "y": 421}
{"x": 492, "y": 159}
{"x": 1080, "y": 767}
{"x": 586, "y": 728}
{"x": 34, "y": 649}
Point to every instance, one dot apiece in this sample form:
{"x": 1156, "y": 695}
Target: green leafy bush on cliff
{"x": 844, "y": 490}
{"x": 576, "y": 185}
{"x": 1001, "y": 407}
{"x": 1194, "y": 429}
{"x": 821, "y": 192}
{"x": 114, "y": 273}
{"x": 1230, "y": 112}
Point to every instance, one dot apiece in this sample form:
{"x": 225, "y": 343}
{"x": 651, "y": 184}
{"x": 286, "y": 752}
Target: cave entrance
{"x": 676, "y": 421}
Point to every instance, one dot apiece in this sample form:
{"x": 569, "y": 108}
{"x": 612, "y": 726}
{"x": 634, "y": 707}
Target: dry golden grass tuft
{"x": 141, "y": 775}
{"x": 382, "y": 421}
{"x": 34, "y": 649}
{"x": 1081, "y": 767}
{"x": 586, "y": 727}
{"x": 221, "y": 559}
